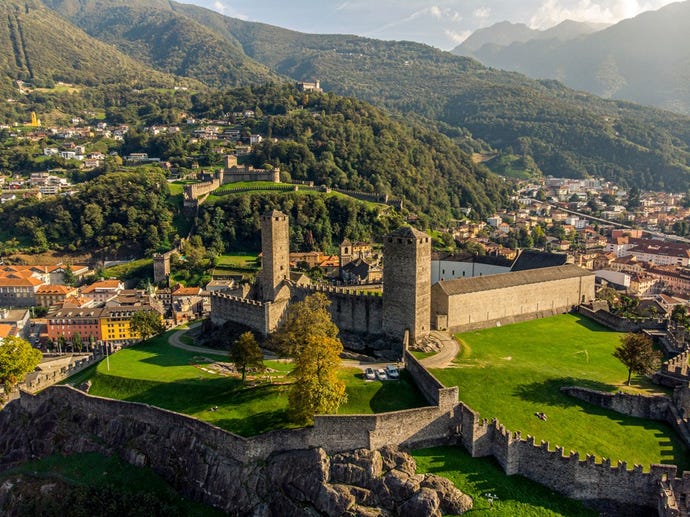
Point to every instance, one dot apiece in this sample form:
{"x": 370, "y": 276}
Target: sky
{"x": 441, "y": 23}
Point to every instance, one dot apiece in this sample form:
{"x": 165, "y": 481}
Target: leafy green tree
{"x": 68, "y": 276}
{"x": 17, "y": 358}
{"x": 303, "y": 320}
{"x": 637, "y": 354}
{"x": 317, "y": 388}
{"x": 77, "y": 342}
{"x": 147, "y": 323}
{"x": 245, "y": 353}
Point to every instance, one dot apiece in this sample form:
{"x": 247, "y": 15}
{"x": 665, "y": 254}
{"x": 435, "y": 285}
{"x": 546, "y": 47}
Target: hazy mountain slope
{"x": 505, "y": 33}
{"x": 644, "y": 59}
{"x": 40, "y": 47}
{"x": 155, "y": 33}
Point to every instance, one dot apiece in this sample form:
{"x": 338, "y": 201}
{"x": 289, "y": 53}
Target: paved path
{"x": 449, "y": 349}
{"x": 175, "y": 339}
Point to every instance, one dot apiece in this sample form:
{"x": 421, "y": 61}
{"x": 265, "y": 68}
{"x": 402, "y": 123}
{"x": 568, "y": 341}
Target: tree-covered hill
{"x": 346, "y": 143}
{"x": 158, "y": 35}
{"x": 41, "y": 48}
{"x": 566, "y": 132}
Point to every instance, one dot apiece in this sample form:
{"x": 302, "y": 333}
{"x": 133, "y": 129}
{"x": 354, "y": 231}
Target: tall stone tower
{"x": 407, "y": 284}
{"x": 161, "y": 267}
{"x": 275, "y": 246}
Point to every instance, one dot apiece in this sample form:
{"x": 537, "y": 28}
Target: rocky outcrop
{"x": 208, "y": 465}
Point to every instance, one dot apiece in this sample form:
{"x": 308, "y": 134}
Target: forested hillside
{"x": 565, "y": 132}
{"x": 156, "y": 34}
{"x": 39, "y": 47}
{"x": 345, "y": 143}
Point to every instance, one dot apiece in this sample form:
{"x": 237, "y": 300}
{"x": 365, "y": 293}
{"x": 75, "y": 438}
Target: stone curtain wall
{"x": 640, "y": 406}
{"x": 675, "y": 371}
{"x": 360, "y": 311}
{"x": 39, "y": 380}
{"x": 233, "y": 308}
{"x": 621, "y": 324}
{"x": 188, "y": 452}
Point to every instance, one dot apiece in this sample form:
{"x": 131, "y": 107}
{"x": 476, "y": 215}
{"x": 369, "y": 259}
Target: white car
{"x": 392, "y": 372}
{"x": 369, "y": 374}
{"x": 381, "y": 374}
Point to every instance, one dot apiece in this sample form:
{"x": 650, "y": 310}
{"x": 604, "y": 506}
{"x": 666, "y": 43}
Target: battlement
{"x": 238, "y": 299}
{"x": 343, "y": 291}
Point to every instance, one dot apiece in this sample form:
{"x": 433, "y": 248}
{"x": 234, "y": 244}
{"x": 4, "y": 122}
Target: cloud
{"x": 457, "y": 37}
{"x": 482, "y": 12}
{"x": 228, "y": 11}
{"x": 552, "y": 12}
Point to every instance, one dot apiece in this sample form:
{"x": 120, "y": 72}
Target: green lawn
{"x": 366, "y": 397}
{"x": 111, "y": 478}
{"x": 132, "y": 269}
{"x": 514, "y": 371}
{"x": 158, "y": 374}
{"x": 240, "y": 260}
{"x": 478, "y": 477}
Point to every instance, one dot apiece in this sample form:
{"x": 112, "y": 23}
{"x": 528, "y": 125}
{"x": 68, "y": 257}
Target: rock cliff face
{"x": 198, "y": 464}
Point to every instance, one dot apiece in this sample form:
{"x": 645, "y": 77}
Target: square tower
{"x": 275, "y": 246}
{"x": 407, "y": 283}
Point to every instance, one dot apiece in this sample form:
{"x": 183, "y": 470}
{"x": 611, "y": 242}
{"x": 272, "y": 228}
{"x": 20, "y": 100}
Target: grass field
{"x": 161, "y": 375}
{"x": 478, "y": 477}
{"x": 135, "y": 268}
{"x": 111, "y": 475}
{"x": 512, "y": 372}
{"x": 239, "y": 260}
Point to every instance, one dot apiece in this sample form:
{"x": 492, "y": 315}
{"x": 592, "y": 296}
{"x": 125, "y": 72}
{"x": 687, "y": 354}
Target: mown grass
{"x": 515, "y": 371}
{"x": 158, "y": 374}
{"x": 477, "y": 477}
{"x": 108, "y": 473}
{"x": 241, "y": 260}
{"x": 133, "y": 269}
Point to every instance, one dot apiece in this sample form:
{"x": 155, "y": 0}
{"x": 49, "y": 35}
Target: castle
{"x": 410, "y": 307}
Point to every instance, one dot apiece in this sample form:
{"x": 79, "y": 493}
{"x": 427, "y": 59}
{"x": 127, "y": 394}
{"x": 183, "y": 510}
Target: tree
{"x": 637, "y": 354}
{"x": 147, "y": 323}
{"x": 77, "y": 342}
{"x": 17, "y": 358}
{"x": 309, "y": 317}
{"x": 68, "y": 276}
{"x": 317, "y": 388}
{"x": 245, "y": 353}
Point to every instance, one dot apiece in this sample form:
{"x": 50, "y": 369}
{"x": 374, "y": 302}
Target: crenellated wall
{"x": 360, "y": 312}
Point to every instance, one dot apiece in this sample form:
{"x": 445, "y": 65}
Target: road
{"x": 442, "y": 359}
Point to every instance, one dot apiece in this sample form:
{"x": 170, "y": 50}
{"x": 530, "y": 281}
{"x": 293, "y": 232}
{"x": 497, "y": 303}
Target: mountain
{"x": 645, "y": 59}
{"x": 159, "y": 34}
{"x": 565, "y": 132}
{"x": 39, "y": 47}
{"x": 505, "y": 33}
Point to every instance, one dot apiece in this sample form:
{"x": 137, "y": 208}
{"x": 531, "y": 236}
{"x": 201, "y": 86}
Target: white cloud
{"x": 457, "y": 37}
{"x": 228, "y": 11}
{"x": 552, "y": 12}
{"x": 482, "y": 12}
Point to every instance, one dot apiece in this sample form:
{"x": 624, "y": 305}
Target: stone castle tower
{"x": 407, "y": 284}
{"x": 275, "y": 246}
{"x": 161, "y": 267}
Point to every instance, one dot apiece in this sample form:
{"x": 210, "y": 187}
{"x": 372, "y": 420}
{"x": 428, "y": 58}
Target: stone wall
{"x": 435, "y": 393}
{"x": 675, "y": 371}
{"x": 640, "y": 406}
{"x": 360, "y": 312}
{"x": 621, "y": 324}
{"x": 226, "y": 308}
{"x": 41, "y": 379}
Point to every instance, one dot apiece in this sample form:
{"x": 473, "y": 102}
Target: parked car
{"x": 392, "y": 372}
{"x": 369, "y": 374}
{"x": 381, "y": 374}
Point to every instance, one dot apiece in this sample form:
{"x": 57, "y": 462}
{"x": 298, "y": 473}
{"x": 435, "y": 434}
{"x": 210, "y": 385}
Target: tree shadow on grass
{"x": 549, "y": 391}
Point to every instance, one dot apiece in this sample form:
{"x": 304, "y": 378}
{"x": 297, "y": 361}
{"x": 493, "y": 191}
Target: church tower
{"x": 275, "y": 246}
{"x": 407, "y": 284}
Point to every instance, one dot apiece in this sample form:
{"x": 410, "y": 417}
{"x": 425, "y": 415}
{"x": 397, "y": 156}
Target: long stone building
{"x": 472, "y": 303}
{"x": 410, "y": 306}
